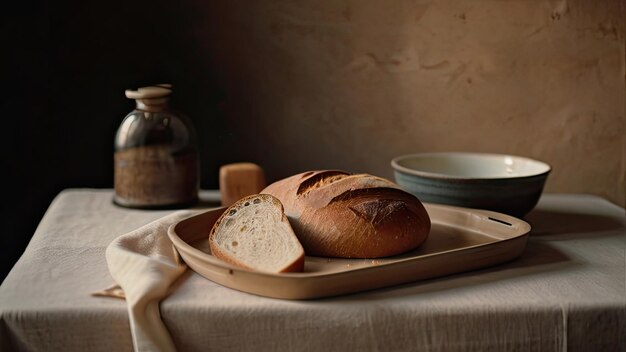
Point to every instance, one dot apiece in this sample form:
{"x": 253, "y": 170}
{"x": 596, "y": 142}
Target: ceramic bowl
{"x": 503, "y": 183}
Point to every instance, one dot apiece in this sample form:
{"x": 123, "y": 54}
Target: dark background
{"x": 65, "y": 66}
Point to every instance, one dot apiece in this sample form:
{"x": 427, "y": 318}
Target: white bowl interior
{"x": 469, "y": 165}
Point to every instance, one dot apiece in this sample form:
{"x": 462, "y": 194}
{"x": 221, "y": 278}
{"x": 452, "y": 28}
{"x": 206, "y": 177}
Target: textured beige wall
{"x": 350, "y": 84}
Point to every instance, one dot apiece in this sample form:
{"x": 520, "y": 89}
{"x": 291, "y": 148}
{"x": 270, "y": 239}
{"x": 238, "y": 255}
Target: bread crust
{"x": 339, "y": 214}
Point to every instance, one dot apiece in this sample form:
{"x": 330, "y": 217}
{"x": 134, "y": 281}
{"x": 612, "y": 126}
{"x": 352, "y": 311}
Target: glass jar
{"x": 156, "y": 160}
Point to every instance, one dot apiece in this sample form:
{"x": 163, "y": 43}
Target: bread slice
{"x": 254, "y": 233}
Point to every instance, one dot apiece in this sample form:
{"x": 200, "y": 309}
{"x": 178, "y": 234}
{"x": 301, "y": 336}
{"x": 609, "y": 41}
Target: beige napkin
{"x": 144, "y": 264}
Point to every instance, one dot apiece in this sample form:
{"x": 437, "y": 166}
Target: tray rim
{"x": 185, "y": 249}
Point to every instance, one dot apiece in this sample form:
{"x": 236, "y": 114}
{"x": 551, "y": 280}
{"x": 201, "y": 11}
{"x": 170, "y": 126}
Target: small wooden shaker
{"x": 238, "y": 180}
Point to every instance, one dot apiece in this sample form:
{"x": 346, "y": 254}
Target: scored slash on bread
{"x": 254, "y": 233}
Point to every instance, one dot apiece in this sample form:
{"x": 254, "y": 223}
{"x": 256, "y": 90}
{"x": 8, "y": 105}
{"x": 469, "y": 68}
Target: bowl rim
{"x": 396, "y": 166}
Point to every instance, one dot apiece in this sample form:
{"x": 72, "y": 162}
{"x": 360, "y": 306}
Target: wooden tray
{"x": 460, "y": 240}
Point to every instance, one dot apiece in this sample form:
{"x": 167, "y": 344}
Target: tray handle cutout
{"x": 500, "y": 221}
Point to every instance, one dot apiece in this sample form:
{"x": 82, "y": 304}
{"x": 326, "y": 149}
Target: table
{"x": 566, "y": 292}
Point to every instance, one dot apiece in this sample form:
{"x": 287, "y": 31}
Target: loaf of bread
{"x": 254, "y": 233}
{"x": 338, "y": 214}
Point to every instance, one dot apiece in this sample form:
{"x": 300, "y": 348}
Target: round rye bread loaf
{"x": 339, "y": 214}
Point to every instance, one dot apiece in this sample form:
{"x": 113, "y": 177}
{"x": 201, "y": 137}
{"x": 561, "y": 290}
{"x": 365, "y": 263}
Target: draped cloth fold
{"x": 144, "y": 264}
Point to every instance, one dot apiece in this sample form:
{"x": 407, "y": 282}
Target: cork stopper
{"x": 151, "y": 98}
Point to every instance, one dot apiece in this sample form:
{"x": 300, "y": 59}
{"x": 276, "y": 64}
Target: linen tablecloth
{"x": 566, "y": 292}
